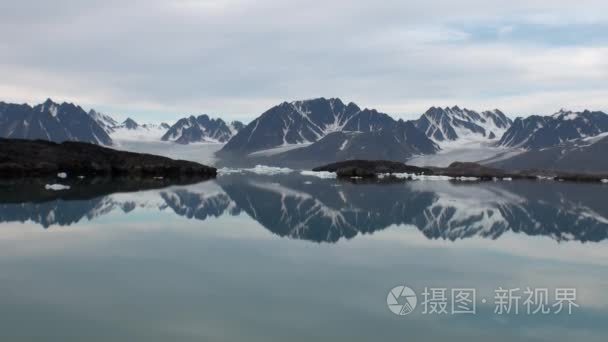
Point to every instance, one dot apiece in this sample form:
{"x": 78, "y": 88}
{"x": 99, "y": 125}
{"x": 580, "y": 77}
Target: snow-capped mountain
{"x": 444, "y": 125}
{"x": 105, "y": 121}
{"x": 537, "y": 132}
{"x": 202, "y": 129}
{"x": 131, "y": 130}
{"x": 396, "y": 142}
{"x": 585, "y": 155}
{"x": 293, "y": 123}
{"x": 51, "y": 121}
{"x": 321, "y": 123}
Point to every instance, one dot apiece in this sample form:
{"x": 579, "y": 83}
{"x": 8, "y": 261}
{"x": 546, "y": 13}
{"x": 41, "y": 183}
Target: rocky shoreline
{"x": 372, "y": 169}
{"x": 38, "y": 158}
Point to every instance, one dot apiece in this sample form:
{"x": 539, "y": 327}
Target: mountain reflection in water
{"x": 327, "y": 210}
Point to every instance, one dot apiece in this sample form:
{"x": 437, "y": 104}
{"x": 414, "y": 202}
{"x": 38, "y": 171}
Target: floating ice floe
{"x": 605, "y": 180}
{"x": 545, "y": 178}
{"x": 62, "y": 175}
{"x": 258, "y": 169}
{"x": 80, "y": 177}
{"x": 320, "y": 174}
{"x": 228, "y": 171}
{"x": 308, "y": 182}
{"x": 507, "y": 179}
{"x": 467, "y": 179}
{"x": 56, "y": 187}
{"x": 415, "y": 177}
{"x": 269, "y": 170}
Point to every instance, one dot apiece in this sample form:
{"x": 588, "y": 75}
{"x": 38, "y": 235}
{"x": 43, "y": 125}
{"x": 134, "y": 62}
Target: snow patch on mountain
{"x": 463, "y": 151}
{"x": 131, "y": 130}
{"x": 538, "y": 132}
{"x": 278, "y": 150}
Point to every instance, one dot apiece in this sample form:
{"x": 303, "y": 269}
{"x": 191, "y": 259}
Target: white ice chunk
{"x": 320, "y": 174}
{"x": 269, "y": 170}
{"x": 56, "y": 187}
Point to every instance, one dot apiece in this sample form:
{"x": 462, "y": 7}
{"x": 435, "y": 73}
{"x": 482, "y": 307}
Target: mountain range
{"x": 202, "y": 129}
{"x": 68, "y": 122}
{"x": 312, "y": 132}
{"x": 537, "y": 132}
{"x": 321, "y": 130}
{"x": 129, "y": 129}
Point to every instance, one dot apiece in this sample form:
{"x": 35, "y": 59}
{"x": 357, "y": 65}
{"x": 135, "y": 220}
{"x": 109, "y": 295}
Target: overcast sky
{"x": 160, "y": 60}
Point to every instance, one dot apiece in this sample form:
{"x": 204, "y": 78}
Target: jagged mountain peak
{"x": 130, "y": 124}
{"x": 48, "y": 106}
{"x": 51, "y": 121}
{"x": 301, "y": 122}
{"x": 327, "y": 125}
{"x": 332, "y": 100}
{"x": 104, "y": 120}
{"x": 202, "y": 128}
{"x": 444, "y": 125}
{"x": 537, "y": 132}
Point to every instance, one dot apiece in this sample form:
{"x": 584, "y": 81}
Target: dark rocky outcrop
{"x": 38, "y": 158}
{"x": 373, "y": 168}
{"x": 370, "y": 168}
{"x": 468, "y": 169}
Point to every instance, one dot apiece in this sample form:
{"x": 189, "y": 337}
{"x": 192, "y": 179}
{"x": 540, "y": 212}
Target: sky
{"x": 159, "y": 60}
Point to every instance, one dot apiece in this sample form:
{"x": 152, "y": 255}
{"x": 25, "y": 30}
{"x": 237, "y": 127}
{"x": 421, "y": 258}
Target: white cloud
{"x": 236, "y": 58}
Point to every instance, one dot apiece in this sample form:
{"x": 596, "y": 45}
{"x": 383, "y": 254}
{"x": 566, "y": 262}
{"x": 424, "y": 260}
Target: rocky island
{"x": 370, "y": 168}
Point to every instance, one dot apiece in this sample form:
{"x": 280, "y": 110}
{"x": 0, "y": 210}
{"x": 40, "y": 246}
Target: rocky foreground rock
{"x": 37, "y": 158}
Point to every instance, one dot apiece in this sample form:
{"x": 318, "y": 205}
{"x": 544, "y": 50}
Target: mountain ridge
{"x": 51, "y": 121}
{"x": 536, "y": 132}
{"x": 202, "y": 128}
{"x": 451, "y": 124}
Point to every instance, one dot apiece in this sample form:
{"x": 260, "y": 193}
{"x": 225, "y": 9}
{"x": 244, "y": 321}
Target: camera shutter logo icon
{"x": 401, "y": 300}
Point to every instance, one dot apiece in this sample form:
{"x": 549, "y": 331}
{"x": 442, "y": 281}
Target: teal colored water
{"x": 294, "y": 258}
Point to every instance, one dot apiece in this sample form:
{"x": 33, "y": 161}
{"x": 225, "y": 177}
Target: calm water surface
{"x": 295, "y": 258}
